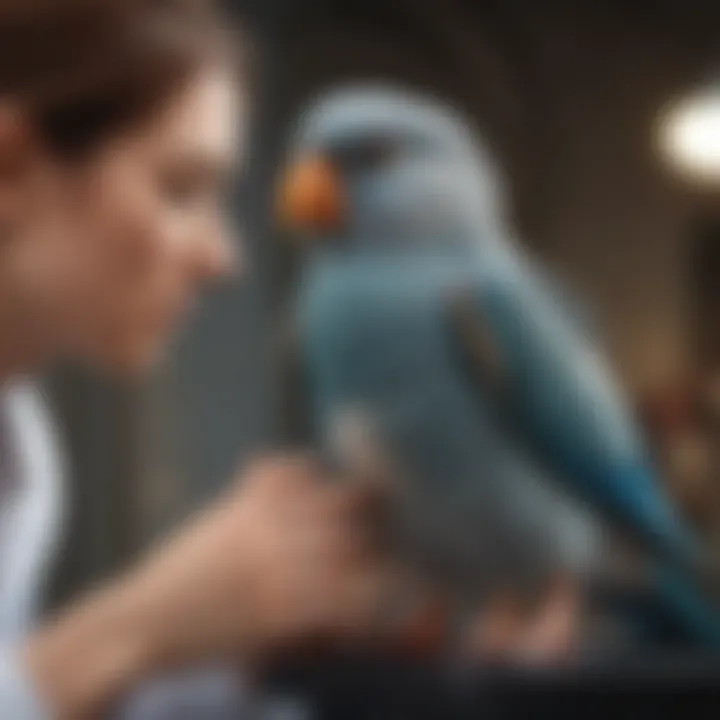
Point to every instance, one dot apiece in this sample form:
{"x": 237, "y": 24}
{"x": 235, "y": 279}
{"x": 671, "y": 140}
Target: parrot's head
{"x": 380, "y": 169}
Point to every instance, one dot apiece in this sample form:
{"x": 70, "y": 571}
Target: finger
{"x": 336, "y": 516}
{"x": 364, "y": 601}
{"x": 497, "y": 628}
{"x": 285, "y": 489}
{"x": 373, "y": 495}
{"x": 552, "y": 634}
{"x": 284, "y": 473}
{"x": 333, "y": 551}
{"x": 354, "y": 497}
{"x": 424, "y": 629}
{"x": 372, "y": 509}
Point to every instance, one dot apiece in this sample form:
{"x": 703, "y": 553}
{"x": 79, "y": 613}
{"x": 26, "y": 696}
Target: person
{"x": 119, "y": 124}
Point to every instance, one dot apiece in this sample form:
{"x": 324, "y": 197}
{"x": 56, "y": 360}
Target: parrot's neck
{"x": 465, "y": 235}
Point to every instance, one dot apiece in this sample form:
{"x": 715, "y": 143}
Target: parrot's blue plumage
{"x": 382, "y": 361}
{"x": 567, "y": 403}
{"x": 433, "y": 342}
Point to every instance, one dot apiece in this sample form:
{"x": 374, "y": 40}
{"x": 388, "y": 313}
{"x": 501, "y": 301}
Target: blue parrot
{"x": 438, "y": 354}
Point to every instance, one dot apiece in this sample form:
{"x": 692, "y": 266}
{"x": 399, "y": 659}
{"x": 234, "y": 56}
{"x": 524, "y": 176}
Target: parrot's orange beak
{"x": 311, "y": 197}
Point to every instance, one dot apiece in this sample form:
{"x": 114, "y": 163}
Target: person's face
{"x": 124, "y": 239}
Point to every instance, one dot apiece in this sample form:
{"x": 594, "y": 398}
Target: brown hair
{"x": 84, "y": 70}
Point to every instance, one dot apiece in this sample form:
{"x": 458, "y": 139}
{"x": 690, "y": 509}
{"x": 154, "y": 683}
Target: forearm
{"x": 92, "y": 654}
{"x": 96, "y": 653}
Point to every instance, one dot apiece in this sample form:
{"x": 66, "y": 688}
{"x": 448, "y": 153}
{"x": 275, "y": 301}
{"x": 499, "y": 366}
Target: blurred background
{"x": 599, "y": 114}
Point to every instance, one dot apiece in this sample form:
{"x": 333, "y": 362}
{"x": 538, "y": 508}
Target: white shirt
{"x": 31, "y": 519}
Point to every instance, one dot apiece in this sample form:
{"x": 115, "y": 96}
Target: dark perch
{"x": 372, "y": 688}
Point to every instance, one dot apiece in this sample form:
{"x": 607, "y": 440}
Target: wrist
{"x": 92, "y": 654}
{"x": 176, "y": 609}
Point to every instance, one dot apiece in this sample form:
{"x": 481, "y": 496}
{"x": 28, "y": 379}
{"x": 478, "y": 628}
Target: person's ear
{"x": 16, "y": 150}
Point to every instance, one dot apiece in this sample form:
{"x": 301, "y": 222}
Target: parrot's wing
{"x": 477, "y": 336}
{"x": 477, "y": 339}
{"x": 490, "y": 373}
{"x": 479, "y": 352}
{"x": 568, "y": 415}
{"x": 486, "y": 368}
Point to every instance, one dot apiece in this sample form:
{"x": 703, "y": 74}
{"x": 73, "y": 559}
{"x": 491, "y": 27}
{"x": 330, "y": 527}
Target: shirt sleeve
{"x": 207, "y": 694}
{"x": 213, "y": 693}
{"x": 18, "y": 697}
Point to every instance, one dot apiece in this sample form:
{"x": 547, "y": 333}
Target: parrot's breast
{"x": 370, "y": 333}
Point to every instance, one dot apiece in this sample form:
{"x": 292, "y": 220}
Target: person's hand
{"x": 286, "y": 555}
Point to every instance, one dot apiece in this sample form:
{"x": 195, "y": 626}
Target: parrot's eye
{"x": 366, "y": 155}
